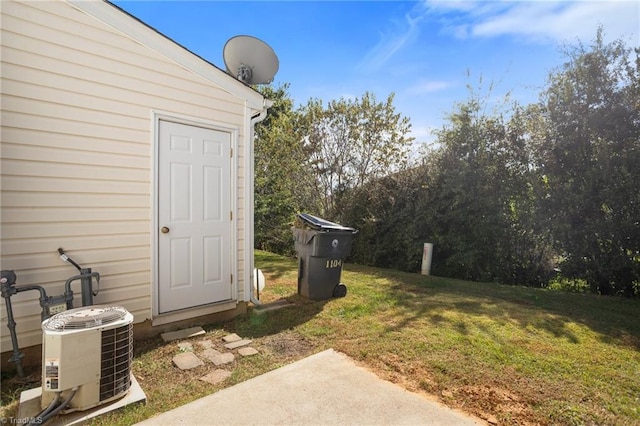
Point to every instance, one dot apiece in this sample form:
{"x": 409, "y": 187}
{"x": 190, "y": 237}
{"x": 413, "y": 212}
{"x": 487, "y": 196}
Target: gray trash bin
{"x": 322, "y": 247}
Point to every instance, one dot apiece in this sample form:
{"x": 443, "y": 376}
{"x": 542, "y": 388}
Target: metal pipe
{"x": 86, "y": 287}
{"x": 7, "y": 281}
{"x": 66, "y": 258}
{"x": 17, "y": 356}
{"x": 8, "y": 289}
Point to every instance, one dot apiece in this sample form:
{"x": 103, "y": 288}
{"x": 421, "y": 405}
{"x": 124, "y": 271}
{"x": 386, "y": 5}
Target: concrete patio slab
{"x": 327, "y": 388}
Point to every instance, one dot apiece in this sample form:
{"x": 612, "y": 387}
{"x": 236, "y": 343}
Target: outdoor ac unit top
{"x": 85, "y": 317}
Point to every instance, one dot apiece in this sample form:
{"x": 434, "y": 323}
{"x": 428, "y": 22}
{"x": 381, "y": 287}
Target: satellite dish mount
{"x": 244, "y": 73}
{"x": 250, "y": 60}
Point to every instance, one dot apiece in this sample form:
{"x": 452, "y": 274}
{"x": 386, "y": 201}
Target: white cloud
{"x": 430, "y": 86}
{"x": 392, "y": 41}
{"x": 540, "y": 20}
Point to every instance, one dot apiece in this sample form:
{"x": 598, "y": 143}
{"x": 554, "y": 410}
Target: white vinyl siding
{"x": 78, "y": 99}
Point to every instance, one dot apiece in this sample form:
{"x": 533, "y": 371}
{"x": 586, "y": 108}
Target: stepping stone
{"x": 229, "y": 338}
{"x": 237, "y": 344}
{"x": 248, "y": 351}
{"x": 185, "y": 346}
{"x": 187, "y": 361}
{"x": 216, "y": 376}
{"x": 218, "y": 358}
{"x": 206, "y": 344}
{"x": 210, "y": 352}
{"x": 182, "y": 334}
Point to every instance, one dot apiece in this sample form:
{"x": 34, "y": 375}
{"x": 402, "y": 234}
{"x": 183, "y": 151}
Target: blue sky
{"x": 426, "y": 52}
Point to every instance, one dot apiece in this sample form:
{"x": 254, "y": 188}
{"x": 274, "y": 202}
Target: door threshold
{"x": 189, "y": 313}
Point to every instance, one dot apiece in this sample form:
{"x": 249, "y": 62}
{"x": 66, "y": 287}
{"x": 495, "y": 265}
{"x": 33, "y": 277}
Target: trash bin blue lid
{"x": 322, "y": 224}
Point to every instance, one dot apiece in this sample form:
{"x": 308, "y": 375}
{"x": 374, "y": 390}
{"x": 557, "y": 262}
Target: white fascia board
{"x": 134, "y": 28}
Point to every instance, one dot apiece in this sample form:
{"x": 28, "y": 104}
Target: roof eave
{"x": 127, "y": 24}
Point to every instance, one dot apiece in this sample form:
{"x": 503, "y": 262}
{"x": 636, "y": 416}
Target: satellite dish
{"x": 250, "y": 60}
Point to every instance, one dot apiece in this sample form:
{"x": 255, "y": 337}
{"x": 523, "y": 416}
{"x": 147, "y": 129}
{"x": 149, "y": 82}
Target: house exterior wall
{"x": 78, "y": 105}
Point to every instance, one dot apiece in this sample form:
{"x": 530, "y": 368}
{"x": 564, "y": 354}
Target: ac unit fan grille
{"x": 117, "y": 355}
{"x": 84, "y": 317}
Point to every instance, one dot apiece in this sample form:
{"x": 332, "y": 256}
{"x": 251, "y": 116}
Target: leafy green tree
{"x": 589, "y": 157}
{"x": 282, "y": 181}
{"x": 351, "y": 142}
{"x": 481, "y": 201}
{"x": 386, "y": 212}
{"x": 468, "y": 212}
{"x": 473, "y": 197}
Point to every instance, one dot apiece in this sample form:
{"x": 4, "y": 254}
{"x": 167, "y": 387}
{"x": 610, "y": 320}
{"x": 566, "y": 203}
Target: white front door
{"x": 194, "y": 216}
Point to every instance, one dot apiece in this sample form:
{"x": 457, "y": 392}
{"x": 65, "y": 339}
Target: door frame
{"x": 155, "y": 182}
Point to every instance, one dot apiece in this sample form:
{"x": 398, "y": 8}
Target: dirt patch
{"x": 496, "y": 405}
{"x": 287, "y": 345}
{"x": 492, "y": 402}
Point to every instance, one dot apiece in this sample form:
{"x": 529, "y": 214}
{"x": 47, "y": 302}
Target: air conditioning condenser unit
{"x": 89, "y": 350}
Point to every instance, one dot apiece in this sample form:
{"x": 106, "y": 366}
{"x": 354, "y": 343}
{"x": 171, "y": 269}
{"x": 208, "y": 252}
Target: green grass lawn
{"x": 510, "y": 355}
{"x": 519, "y": 355}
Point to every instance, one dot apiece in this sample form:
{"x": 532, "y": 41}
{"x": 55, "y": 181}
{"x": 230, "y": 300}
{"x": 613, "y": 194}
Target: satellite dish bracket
{"x": 244, "y": 73}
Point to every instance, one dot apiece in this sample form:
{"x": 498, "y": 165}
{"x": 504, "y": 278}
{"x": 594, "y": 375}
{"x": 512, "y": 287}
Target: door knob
{"x": 164, "y": 230}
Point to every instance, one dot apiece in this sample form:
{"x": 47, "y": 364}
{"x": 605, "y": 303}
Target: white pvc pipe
{"x": 426, "y": 258}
